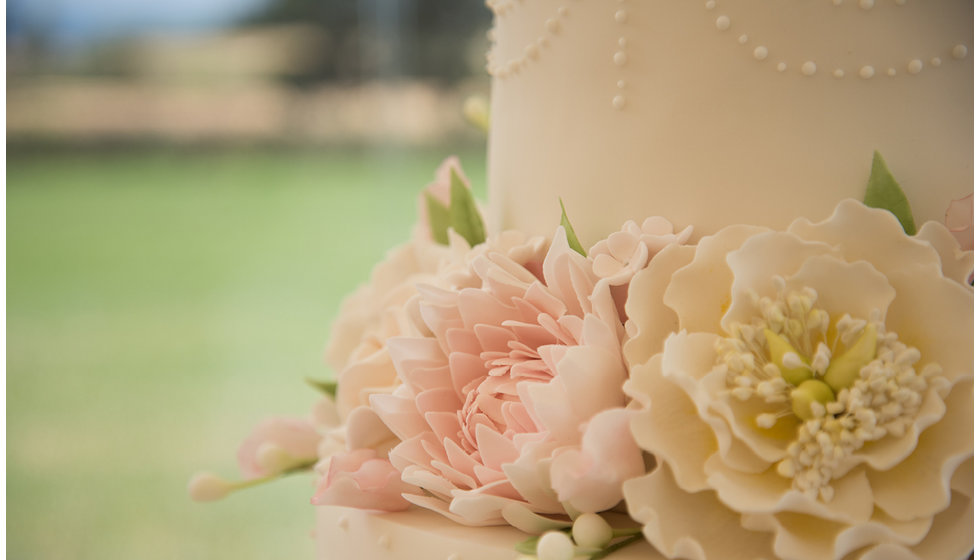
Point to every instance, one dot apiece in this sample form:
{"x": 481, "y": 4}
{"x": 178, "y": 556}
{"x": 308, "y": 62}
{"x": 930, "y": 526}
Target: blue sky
{"x": 78, "y": 21}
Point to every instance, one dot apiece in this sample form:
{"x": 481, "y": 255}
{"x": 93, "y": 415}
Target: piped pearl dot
{"x": 621, "y": 84}
{"x": 936, "y": 61}
{"x": 781, "y": 67}
{"x": 710, "y": 4}
{"x": 552, "y": 25}
{"x": 620, "y": 16}
{"x": 622, "y": 42}
{"x": 838, "y": 73}
{"x": 562, "y": 11}
{"x": 742, "y": 39}
{"x": 384, "y": 541}
{"x": 960, "y": 52}
{"x": 915, "y": 66}
{"x": 809, "y": 68}
{"x": 619, "y": 102}
{"x": 531, "y": 51}
{"x": 867, "y": 4}
{"x": 838, "y": 2}
{"x": 760, "y": 53}
{"x": 891, "y": 72}
{"x": 867, "y": 72}
{"x": 619, "y": 58}
{"x": 454, "y": 556}
{"x": 723, "y": 23}
{"x": 542, "y": 42}
{"x": 343, "y": 522}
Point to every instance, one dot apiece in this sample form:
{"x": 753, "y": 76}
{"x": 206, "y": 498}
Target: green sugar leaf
{"x": 439, "y": 220}
{"x": 884, "y": 192}
{"x": 573, "y": 241}
{"x": 328, "y": 388}
{"x": 464, "y": 216}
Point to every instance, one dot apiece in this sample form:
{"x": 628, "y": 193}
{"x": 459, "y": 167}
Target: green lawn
{"x": 159, "y": 303}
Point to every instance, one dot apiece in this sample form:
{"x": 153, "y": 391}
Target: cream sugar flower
{"x": 514, "y": 404}
{"x": 815, "y": 399}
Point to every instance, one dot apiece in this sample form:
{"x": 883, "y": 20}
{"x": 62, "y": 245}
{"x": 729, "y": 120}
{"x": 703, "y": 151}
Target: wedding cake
{"x": 719, "y": 305}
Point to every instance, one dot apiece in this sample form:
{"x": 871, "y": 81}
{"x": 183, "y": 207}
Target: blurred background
{"x": 192, "y": 187}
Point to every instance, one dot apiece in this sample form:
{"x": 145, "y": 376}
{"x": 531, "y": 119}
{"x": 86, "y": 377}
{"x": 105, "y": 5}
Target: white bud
{"x": 592, "y": 531}
{"x": 208, "y": 487}
{"x": 555, "y": 545}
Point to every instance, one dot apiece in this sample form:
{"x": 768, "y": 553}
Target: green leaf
{"x": 439, "y": 220}
{"x": 528, "y": 546}
{"x": 464, "y": 216}
{"x": 884, "y": 192}
{"x": 573, "y": 241}
{"x": 328, "y": 388}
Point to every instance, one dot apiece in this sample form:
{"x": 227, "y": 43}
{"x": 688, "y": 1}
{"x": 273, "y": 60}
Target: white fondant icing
{"x": 421, "y": 533}
{"x": 706, "y": 122}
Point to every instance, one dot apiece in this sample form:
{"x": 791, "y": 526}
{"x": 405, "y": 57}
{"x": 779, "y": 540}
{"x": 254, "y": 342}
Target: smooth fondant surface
{"x": 352, "y": 534}
{"x": 724, "y": 111}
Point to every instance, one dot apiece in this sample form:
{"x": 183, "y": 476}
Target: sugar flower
{"x": 959, "y": 220}
{"x": 815, "y": 399}
{"x": 617, "y": 258}
{"x": 276, "y": 445}
{"x": 512, "y": 400}
{"x": 362, "y": 479}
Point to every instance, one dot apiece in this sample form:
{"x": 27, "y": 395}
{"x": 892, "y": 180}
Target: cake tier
{"x": 346, "y": 533}
{"x": 724, "y": 111}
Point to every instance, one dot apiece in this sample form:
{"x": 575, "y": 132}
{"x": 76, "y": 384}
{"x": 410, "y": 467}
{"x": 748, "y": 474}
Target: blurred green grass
{"x": 160, "y": 303}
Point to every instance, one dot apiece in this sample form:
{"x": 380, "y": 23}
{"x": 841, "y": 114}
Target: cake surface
{"x": 717, "y": 112}
{"x": 358, "y": 534}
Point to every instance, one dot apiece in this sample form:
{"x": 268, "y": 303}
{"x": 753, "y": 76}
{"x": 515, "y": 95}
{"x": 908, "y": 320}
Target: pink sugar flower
{"x": 959, "y": 220}
{"x": 362, "y": 479}
{"x": 276, "y": 445}
{"x": 494, "y": 409}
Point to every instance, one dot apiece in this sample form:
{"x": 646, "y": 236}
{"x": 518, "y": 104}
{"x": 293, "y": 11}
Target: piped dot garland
{"x": 620, "y": 57}
{"x": 552, "y": 29}
{"x": 724, "y": 23}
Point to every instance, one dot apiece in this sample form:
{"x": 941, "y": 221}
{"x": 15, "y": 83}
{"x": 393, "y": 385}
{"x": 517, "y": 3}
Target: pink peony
{"x": 276, "y": 445}
{"x": 495, "y": 409}
{"x": 362, "y": 479}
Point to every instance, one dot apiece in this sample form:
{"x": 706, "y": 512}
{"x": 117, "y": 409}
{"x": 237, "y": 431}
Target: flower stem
{"x": 637, "y": 535}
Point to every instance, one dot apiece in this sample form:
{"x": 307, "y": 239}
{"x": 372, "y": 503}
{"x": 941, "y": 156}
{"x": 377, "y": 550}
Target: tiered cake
{"x": 765, "y": 368}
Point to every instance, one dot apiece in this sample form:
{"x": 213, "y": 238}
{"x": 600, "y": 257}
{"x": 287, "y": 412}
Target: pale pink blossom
{"x": 362, "y": 479}
{"x": 959, "y": 220}
{"x": 516, "y": 368}
{"x": 278, "y": 444}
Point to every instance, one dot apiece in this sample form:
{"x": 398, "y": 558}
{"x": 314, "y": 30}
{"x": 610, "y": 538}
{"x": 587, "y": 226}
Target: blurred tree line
{"x": 434, "y": 39}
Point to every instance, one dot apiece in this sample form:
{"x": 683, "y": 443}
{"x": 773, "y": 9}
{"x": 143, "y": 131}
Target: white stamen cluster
{"x": 883, "y": 399}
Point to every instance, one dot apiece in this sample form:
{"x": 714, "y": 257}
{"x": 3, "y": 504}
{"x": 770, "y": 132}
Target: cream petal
{"x": 592, "y": 380}
{"x": 771, "y": 493}
{"x": 522, "y": 518}
{"x": 869, "y": 234}
{"x": 842, "y": 287}
{"x": 650, "y": 319}
{"x": 885, "y": 453}
{"x": 957, "y": 264}
{"x": 667, "y": 425}
{"x": 362, "y": 378}
{"x": 477, "y": 307}
{"x": 754, "y": 264}
{"x": 493, "y": 337}
{"x": 919, "y": 486}
{"x": 935, "y": 315}
{"x": 952, "y": 531}
{"x": 888, "y": 552}
{"x": 432, "y": 482}
{"x": 701, "y": 291}
{"x": 442, "y": 507}
{"x": 443, "y": 424}
{"x": 683, "y": 525}
{"x": 529, "y": 475}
